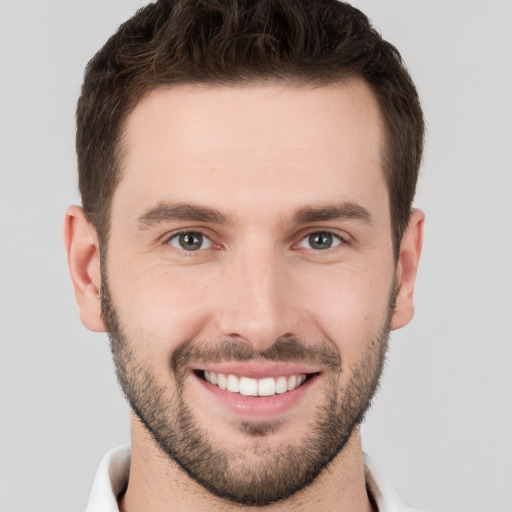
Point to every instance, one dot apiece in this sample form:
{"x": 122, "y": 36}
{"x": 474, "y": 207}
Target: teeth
{"x": 281, "y": 385}
{"x": 233, "y": 384}
{"x": 247, "y": 386}
{"x": 221, "y": 380}
{"x": 254, "y": 387}
{"x": 267, "y": 387}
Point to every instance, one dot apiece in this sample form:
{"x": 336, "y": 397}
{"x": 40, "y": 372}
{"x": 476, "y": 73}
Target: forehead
{"x": 271, "y": 144}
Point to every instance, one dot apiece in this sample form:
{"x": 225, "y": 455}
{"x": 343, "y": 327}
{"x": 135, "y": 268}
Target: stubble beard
{"x": 265, "y": 475}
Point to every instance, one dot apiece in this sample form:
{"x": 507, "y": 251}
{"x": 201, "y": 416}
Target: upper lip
{"x": 258, "y": 370}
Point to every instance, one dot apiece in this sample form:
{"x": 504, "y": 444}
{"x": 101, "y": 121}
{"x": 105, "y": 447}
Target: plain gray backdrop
{"x": 441, "y": 426}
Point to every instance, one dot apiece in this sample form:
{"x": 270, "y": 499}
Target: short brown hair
{"x": 233, "y": 42}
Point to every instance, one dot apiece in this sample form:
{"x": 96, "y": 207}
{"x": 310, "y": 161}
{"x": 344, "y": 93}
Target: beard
{"x": 260, "y": 475}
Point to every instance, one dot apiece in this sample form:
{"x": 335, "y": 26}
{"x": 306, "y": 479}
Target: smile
{"x": 248, "y": 386}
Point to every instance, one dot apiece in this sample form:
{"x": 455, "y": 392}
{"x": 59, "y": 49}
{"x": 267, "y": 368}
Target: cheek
{"x": 163, "y": 307}
{"x": 350, "y": 306}
{"x": 158, "y": 308}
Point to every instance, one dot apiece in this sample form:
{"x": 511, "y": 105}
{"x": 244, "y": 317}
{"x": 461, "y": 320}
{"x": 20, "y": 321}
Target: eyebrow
{"x": 344, "y": 211}
{"x": 165, "y": 212}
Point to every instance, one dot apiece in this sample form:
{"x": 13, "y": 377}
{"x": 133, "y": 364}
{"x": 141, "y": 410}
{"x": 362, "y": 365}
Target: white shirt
{"x": 112, "y": 476}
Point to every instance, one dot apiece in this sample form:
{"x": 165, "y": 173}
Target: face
{"x": 248, "y": 286}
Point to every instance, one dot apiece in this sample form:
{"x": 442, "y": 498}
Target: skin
{"x": 256, "y": 154}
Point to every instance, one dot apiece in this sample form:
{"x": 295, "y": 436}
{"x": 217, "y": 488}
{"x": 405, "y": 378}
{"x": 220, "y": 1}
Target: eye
{"x": 190, "y": 241}
{"x": 320, "y": 241}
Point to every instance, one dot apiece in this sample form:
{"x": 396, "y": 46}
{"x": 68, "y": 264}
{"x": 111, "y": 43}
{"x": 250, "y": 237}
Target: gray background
{"x": 441, "y": 427}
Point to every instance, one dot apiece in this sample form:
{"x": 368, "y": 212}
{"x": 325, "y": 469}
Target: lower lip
{"x": 262, "y": 407}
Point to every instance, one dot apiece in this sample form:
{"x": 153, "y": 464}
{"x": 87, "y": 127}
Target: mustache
{"x": 285, "y": 349}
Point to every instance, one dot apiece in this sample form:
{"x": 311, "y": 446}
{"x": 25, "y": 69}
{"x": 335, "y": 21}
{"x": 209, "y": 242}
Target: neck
{"x": 158, "y": 484}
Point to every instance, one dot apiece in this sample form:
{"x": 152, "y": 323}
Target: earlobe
{"x": 407, "y": 269}
{"x": 82, "y": 250}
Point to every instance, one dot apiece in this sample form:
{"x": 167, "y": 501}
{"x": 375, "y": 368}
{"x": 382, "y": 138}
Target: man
{"x": 247, "y": 171}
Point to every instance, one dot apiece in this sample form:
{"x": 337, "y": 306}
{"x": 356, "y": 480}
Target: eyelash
{"x": 190, "y": 232}
{"x": 343, "y": 240}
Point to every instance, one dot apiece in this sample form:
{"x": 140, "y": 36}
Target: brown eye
{"x": 320, "y": 241}
{"x": 190, "y": 241}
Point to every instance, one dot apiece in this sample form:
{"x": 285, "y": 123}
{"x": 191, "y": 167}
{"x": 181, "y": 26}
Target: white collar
{"x": 384, "y": 496}
{"x": 112, "y": 477}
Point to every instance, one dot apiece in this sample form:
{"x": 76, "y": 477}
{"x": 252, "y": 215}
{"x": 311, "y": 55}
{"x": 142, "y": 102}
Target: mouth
{"x": 248, "y": 386}
{"x": 254, "y": 391}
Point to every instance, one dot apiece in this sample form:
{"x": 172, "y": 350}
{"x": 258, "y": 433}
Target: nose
{"x": 257, "y": 305}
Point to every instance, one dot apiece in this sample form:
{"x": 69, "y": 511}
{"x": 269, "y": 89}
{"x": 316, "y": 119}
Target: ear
{"x": 82, "y": 249}
{"x": 406, "y": 270}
